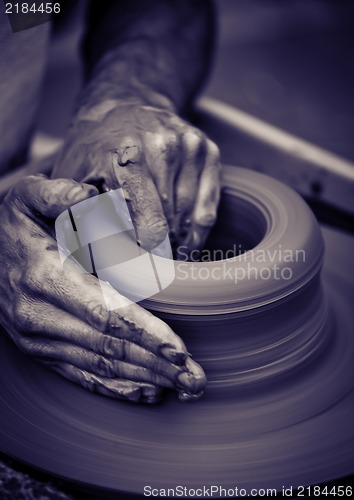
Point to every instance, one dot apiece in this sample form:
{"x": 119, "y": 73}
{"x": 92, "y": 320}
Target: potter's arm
{"x": 160, "y": 46}
{"x": 145, "y": 61}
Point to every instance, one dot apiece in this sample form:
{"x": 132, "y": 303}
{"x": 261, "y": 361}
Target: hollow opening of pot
{"x": 240, "y": 226}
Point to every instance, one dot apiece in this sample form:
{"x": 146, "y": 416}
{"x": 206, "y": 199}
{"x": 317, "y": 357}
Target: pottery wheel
{"x": 297, "y": 432}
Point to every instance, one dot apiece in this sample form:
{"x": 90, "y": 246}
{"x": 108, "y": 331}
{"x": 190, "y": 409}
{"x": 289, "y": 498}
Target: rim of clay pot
{"x": 260, "y": 212}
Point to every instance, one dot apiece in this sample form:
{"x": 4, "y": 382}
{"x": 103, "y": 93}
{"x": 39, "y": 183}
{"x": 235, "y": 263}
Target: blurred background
{"x": 287, "y": 62}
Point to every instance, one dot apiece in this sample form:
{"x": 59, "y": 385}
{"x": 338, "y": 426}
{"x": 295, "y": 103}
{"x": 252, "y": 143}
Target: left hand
{"x": 168, "y": 169}
{"x": 59, "y": 316}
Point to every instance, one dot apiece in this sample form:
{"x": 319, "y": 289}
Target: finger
{"x": 92, "y": 362}
{"x": 101, "y": 165}
{"x": 163, "y": 158}
{"x": 137, "y": 392}
{"x": 49, "y": 198}
{"x": 197, "y": 378}
{"x": 194, "y": 150}
{"x": 81, "y": 295}
{"x": 45, "y": 324}
{"x": 141, "y": 194}
{"x": 205, "y": 210}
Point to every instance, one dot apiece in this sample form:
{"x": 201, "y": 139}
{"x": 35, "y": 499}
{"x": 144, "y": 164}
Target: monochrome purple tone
{"x": 268, "y": 314}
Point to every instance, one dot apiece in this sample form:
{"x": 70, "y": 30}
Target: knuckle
{"x": 120, "y": 349}
{"x": 129, "y": 141}
{"x": 213, "y": 151}
{"x": 192, "y": 139}
{"x": 157, "y": 224}
{"x": 102, "y": 366}
{"x": 34, "y": 280}
{"x": 156, "y": 365}
{"x": 156, "y": 141}
{"x": 129, "y": 150}
{"x": 48, "y": 194}
{"x": 25, "y": 183}
{"x": 105, "y": 345}
{"x": 169, "y": 140}
{"x": 23, "y": 318}
{"x": 15, "y": 194}
{"x": 162, "y": 145}
{"x": 155, "y": 377}
{"x": 87, "y": 380}
{"x": 98, "y": 315}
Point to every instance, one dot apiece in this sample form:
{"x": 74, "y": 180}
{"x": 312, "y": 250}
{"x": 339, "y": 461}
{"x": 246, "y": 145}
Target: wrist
{"x": 137, "y": 71}
{"x": 93, "y": 106}
{"x": 102, "y": 94}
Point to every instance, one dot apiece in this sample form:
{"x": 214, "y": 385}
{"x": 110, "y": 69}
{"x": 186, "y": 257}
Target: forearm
{"x": 144, "y": 66}
{"x": 158, "y": 49}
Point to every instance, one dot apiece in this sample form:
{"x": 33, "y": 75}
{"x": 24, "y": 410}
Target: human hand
{"x": 169, "y": 170}
{"x": 59, "y": 316}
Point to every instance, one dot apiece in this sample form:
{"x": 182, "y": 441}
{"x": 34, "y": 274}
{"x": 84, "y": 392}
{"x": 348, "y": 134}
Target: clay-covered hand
{"x": 168, "y": 169}
{"x": 59, "y": 316}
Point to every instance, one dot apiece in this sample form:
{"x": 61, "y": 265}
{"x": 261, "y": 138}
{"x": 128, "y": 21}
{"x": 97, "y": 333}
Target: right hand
{"x": 168, "y": 170}
{"x": 60, "y": 317}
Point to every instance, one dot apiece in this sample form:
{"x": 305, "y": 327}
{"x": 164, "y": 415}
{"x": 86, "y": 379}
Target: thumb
{"x": 50, "y": 198}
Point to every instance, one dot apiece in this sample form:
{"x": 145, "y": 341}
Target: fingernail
{"x": 92, "y": 190}
{"x": 134, "y": 395}
{"x": 150, "y": 391}
{"x": 153, "y": 395}
{"x": 185, "y": 381}
{"x": 75, "y": 191}
{"x": 188, "y": 397}
{"x": 151, "y": 400}
{"x": 129, "y": 153}
{"x": 170, "y": 353}
{"x": 193, "y": 381}
{"x": 207, "y": 220}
